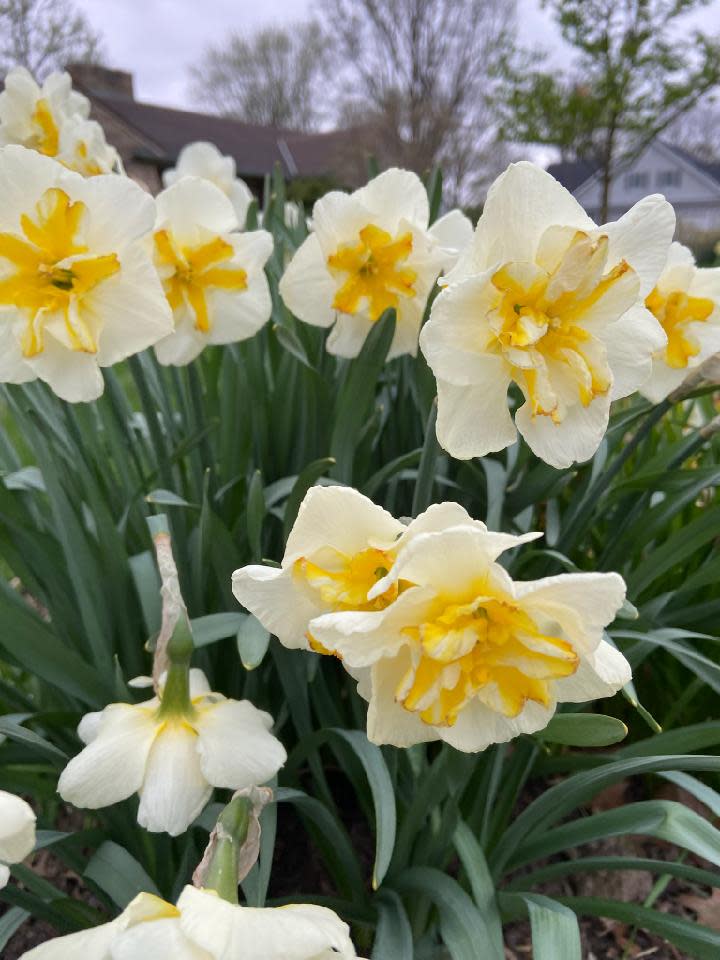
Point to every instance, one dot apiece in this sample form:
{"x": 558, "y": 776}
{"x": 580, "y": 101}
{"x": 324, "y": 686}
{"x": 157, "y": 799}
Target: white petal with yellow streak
{"x": 631, "y": 343}
{"x": 642, "y": 237}
{"x": 600, "y": 674}
{"x": 521, "y": 204}
{"x": 174, "y": 790}
{"x": 342, "y": 518}
{"x": 280, "y": 600}
{"x": 583, "y": 604}
{"x": 157, "y": 940}
{"x": 574, "y": 440}
{"x": 293, "y": 932}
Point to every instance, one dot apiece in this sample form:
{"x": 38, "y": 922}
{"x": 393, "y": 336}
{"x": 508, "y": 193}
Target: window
{"x": 668, "y": 178}
{"x": 636, "y": 181}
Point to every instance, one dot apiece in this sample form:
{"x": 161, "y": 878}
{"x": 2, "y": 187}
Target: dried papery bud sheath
{"x": 234, "y": 844}
{"x": 174, "y": 645}
{"x": 707, "y": 373}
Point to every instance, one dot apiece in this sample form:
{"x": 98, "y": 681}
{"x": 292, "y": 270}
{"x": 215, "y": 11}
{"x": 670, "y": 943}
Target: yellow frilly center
{"x": 47, "y": 138}
{"x": 675, "y": 311}
{"x": 487, "y": 645}
{"x": 372, "y": 272}
{"x": 342, "y": 582}
{"x": 194, "y": 271}
{"x": 52, "y": 272}
{"x": 538, "y": 325}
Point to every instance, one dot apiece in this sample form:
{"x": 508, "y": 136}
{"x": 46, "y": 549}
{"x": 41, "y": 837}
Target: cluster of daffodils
{"x": 53, "y": 119}
{"x": 94, "y": 270}
{"x": 443, "y": 643}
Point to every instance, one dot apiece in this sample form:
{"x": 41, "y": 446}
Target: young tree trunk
{"x": 607, "y": 172}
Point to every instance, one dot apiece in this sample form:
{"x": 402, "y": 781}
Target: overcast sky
{"x": 157, "y": 40}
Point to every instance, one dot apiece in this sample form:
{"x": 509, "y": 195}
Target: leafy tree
{"x": 269, "y": 78}
{"x": 418, "y": 78}
{"x": 636, "y": 72}
{"x": 45, "y": 35}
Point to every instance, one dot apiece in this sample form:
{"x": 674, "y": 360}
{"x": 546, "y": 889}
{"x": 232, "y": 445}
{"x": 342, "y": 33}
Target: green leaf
{"x": 393, "y": 938}
{"x": 255, "y": 514}
{"x": 215, "y": 626}
{"x": 422, "y": 497}
{"x": 11, "y": 922}
{"x": 697, "y": 941}
{"x": 357, "y": 394}
{"x": 166, "y": 498}
{"x": 312, "y": 472}
{"x": 30, "y": 739}
{"x": 252, "y": 642}
{"x": 118, "y": 874}
{"x": 473, "y": 860}
{"x": 555, "y": 930}
{"x": 461, "y": 923}
{"x": 662, "y": 819}
{"x": 583, "y": 730}
{"x": 147, "y": 584}
{"x": 383, "y": 795}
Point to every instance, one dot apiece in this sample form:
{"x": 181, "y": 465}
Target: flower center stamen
{"x": 194, "y": 271}
{"x": 538, "y": 325}
{"x": 486, "y": 646}
{"x": 675, "y": 312}
{"x": 373, "y": 272}
{"x": 51, "y": 272}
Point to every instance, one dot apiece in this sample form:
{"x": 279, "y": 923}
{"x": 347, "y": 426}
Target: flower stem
{"x": 232, "y": 830}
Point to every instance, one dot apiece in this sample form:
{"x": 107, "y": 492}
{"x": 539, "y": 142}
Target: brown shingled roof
{"x": 256, "y": 149}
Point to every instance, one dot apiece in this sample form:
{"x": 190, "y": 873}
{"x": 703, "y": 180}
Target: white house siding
{"x": 694, "y": 193}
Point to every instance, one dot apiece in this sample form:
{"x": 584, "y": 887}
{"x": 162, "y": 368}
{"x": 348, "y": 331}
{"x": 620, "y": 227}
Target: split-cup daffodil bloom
{"x": 370, "y": 251}
{"x": 53, "y": 119}
{"x": 686, "y": 302}
{"x": 547, "y": 300}
{"x": 213, "y": 275}
{"x": 467, "y": 655}
{"x": 171, "y": 755}
{"x": 204, "y": 160}
{"x": 340, "y": 546}
{"x": 205, "y": 927}
{"x": 17, "y": 832}
{"x": 78, "y": 290}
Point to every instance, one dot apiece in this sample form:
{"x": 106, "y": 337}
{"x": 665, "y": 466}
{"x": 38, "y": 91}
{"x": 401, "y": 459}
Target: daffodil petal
{"x": 174, "y": 790}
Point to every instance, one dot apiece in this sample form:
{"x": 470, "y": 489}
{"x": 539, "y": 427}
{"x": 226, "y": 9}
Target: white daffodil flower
{"x": 17, "y": 832}
{"x": 77, "y": 289}
{"x": 171, "y": 757}
{"x": 213, "y": 276}
{"x": 469, "y": 656}
{"x": 548, "y": 300}
{"x": 340, "y": 546}
{"x": 204, "y": 927}
{"x": 204, "y": 160}
{"x": 370, "y": 251}
{"x": 686, "y": 302}
{"x": 53, "y": 120}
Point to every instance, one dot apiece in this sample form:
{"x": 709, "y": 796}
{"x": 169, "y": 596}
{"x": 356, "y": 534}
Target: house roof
{"x": 256, "y": 149}
{"x": 573, "y": 174}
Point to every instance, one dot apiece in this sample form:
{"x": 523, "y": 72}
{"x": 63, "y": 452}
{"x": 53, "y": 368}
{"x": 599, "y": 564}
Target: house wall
{"x": 695, "y": 195}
